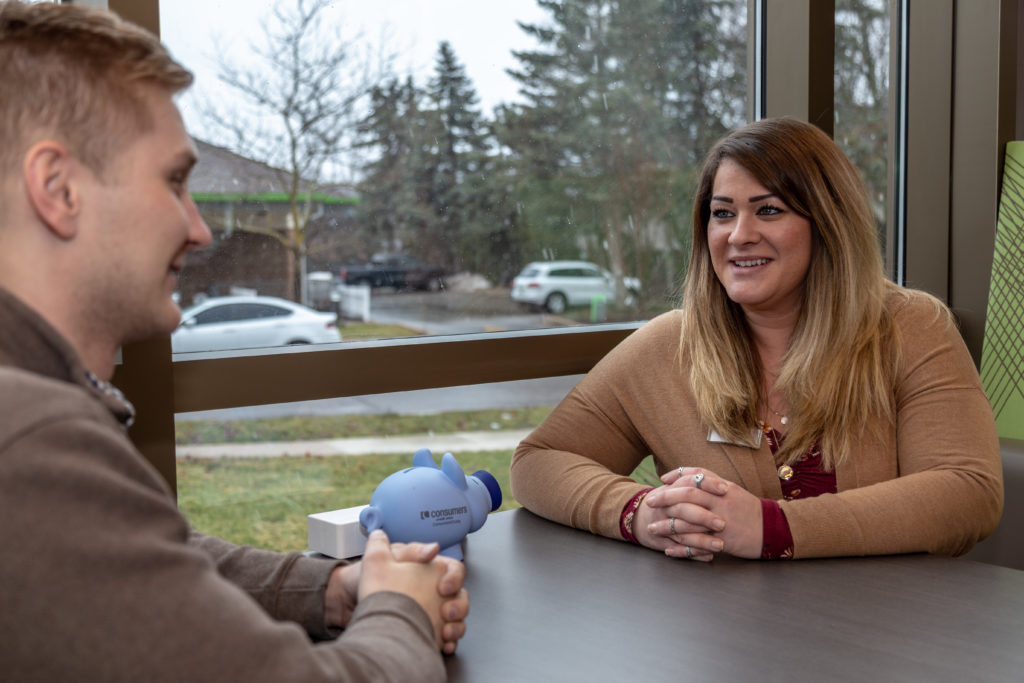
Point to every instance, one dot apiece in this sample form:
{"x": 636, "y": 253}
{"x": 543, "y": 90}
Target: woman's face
{"x": 760, "y": 248}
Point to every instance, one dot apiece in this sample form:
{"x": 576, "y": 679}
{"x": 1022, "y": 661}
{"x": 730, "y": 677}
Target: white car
{"x": 241, "y": 322}
{"x": 556, "y": 285}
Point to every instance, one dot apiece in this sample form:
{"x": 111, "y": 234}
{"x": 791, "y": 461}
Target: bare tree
{"x": 303, "y": 84}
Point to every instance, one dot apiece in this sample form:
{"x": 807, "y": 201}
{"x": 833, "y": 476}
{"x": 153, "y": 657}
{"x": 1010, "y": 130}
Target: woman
{"x": 798, "y": 404}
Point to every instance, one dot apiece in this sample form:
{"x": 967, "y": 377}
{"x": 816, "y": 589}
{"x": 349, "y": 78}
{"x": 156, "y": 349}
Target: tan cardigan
{"x": 934, "y": 483}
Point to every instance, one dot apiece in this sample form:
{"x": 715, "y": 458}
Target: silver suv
{"x": 556, "y": 285}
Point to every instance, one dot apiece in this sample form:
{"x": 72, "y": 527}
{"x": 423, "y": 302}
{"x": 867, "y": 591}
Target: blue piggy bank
{"x": 426, "y": 503}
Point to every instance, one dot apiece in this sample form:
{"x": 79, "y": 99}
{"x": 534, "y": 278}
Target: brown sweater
{"x": 101, "y": 578}
{"x": 933, "y": 483}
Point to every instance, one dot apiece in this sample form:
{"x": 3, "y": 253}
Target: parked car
{"x": 394, "y": 270}
{"x": 556, "y": 285}
{"x": 241, "y": 322}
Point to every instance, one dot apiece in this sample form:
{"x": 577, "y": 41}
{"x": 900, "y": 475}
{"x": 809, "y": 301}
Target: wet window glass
{"x": 399, "y": 163}
{"x": 863, "y": 30}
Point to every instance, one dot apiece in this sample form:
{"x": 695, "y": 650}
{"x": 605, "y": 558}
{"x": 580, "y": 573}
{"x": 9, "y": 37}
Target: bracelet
{"x": 626, "y": 519}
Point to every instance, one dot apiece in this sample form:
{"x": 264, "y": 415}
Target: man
{"x": 100, "y": 576}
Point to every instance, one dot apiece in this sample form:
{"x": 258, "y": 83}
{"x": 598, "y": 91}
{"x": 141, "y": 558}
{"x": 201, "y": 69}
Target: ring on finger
{"x": 680, "y": 470}
{"x": 689, "y": 552}
{"x": 672, "y": 526}
{"x": 698, "y": 479}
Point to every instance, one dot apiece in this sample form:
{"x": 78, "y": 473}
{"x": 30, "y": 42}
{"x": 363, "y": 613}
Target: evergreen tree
{"x": 622, "y": 100}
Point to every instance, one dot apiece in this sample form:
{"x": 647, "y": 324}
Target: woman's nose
{"x": 745, "y": 230}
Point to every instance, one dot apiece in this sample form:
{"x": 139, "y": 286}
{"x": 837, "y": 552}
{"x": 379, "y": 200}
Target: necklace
{"x": 782, "y": 418}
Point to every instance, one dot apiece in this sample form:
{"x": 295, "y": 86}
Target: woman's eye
{"x": 769, "y": 210}
{"x": 720, "y": 213}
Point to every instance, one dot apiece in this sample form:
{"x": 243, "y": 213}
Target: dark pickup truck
{"x": 394, "y": 270}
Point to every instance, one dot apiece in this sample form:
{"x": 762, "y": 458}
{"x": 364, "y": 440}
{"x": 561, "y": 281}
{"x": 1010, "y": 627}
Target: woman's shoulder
{"x": 659, "y": 335}
{"x": 924, "y": 329}
{"x": 914, "y": 308}
{"x": 663, "y": 327}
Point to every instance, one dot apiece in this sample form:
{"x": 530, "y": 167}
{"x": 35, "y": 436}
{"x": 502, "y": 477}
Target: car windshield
{"x": 529, "y": 272}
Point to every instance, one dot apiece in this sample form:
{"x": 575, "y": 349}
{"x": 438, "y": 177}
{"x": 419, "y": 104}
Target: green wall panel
{"x": 1002, "y": 361}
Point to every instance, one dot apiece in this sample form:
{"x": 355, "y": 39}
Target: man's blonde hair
{"x": 836, "y": 374}
{"x": 79, "y": 75}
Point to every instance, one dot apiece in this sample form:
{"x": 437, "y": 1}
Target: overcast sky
{"x": 482, "y": 32}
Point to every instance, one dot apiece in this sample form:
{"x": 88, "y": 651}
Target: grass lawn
{"x": 264, "y": 501}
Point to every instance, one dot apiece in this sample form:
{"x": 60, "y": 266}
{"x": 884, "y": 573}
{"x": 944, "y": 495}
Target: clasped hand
{"x": 414, "y": 569}
{"x": 695, "y": 522}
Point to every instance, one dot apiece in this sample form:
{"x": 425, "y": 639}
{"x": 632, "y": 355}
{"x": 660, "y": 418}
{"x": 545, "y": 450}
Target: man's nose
{"x": 199, "y": 235}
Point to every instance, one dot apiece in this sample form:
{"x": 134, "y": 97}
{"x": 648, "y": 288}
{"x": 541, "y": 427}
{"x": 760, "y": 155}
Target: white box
{"x": 336, "y": 533}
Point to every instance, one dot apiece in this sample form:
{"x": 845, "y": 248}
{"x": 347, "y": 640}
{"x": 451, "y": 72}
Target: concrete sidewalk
{"x": 499, "y": 440}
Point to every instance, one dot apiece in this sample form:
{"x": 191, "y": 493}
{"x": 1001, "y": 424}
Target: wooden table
{"x": 550, "y": 603}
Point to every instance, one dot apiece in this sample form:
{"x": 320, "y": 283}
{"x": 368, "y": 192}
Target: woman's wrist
{"x": 628, "y": 515}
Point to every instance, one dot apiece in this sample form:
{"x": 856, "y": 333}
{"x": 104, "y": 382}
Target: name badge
{"x": 755, "y": 434}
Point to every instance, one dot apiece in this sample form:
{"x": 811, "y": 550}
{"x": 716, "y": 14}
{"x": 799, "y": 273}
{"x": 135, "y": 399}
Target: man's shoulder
{"x": 27, "y": 397}
{"x": 14, "y": 379}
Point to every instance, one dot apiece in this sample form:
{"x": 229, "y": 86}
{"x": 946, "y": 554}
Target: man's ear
{"x": 51, "y": 182}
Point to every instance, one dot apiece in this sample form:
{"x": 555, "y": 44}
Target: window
{"x": 573, "y": 137}
{"x": 586, "y": 158}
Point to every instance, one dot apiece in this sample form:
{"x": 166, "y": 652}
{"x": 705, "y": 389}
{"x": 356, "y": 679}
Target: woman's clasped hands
{"x": 697, "y": 514}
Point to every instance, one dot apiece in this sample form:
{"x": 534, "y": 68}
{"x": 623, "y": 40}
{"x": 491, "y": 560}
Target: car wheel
{"x": 555, "y": 303}
{"x": 632, "y": 298}
{"x": 435, "y": 284}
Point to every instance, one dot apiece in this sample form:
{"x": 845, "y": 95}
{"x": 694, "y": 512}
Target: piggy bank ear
{"x": 370, "y": 519}
{"x": 423, "y": 458}
{"x": 453, "y": 470}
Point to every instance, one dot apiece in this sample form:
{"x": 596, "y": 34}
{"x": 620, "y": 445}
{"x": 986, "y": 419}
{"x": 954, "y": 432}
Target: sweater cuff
{"x": 777, "y": 541}
{"x": 302, "y": 595}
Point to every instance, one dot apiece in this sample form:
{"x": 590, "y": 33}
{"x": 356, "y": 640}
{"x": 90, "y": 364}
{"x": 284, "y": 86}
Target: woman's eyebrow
{"x": 729, "y": 200}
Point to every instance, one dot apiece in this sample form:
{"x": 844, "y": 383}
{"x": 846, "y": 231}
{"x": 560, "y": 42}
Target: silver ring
{"x": 689, "y": 552}
{"x": 680, "y": 472}
{"x": 698, "y": 479}
{"x": 672, "y": 526}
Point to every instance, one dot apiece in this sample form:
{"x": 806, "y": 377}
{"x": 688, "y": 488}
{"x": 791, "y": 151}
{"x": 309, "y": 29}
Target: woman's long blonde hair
{"x": 836, "y": 374}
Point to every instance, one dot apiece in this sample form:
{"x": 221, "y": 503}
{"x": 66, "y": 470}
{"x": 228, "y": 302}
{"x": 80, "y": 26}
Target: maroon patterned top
{"x": 806, "y": 479}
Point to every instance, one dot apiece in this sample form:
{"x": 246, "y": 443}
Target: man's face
{"x": 139, "y": 223}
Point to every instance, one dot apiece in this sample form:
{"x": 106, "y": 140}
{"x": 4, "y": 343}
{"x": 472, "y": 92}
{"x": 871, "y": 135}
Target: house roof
{"x": 222, "y": 175}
